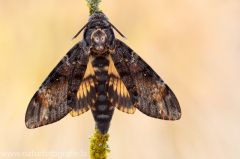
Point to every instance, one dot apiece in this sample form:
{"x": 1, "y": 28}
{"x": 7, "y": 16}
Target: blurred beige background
{"x": 193, "y": 45}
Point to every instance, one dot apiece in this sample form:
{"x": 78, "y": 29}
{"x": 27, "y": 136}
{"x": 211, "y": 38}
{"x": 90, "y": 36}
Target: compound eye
{"x": 102, "y": 38}
{"x": 96, "y": 39}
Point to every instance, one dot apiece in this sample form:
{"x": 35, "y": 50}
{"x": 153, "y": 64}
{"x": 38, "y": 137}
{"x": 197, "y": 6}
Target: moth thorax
{"x": 99, "y": 41}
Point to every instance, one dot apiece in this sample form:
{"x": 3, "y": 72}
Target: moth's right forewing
{"x": 147, "y": 90}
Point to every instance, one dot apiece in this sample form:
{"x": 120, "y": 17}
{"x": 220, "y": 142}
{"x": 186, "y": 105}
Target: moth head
{"x": 98, "y": 15}
{"x": 99, "y": 20}
{"x": 99, "y": 41}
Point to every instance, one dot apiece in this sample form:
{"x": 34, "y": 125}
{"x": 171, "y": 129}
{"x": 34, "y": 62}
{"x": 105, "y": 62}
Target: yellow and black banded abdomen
{"x": 103, "y": 109}
{"x": 102, "y": 112}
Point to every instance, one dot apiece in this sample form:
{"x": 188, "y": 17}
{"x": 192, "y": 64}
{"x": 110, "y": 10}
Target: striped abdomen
{"x": 103, "y": 109}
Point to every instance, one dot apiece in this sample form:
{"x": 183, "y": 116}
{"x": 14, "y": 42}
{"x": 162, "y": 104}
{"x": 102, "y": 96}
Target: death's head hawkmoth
{"x": 100, "y": 73}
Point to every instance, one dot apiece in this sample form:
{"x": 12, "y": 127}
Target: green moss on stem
{"x": 99, "y": 146}
{"x": 93, "y": 6}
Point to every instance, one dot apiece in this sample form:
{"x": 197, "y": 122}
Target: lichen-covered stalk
{"x": 99, "y": 146}
{"x": 98, "y": 143}
{"x": 93, "y": 6}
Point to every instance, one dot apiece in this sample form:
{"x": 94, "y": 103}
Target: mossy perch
{"x": 99, "y": 146}
{"x": 93, "y": 6}
{"x": 98, "y": 143}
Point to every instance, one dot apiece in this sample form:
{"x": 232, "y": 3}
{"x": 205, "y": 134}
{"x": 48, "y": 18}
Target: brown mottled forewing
{"x": 49, "y": 104}
{"x": 86, "y": 94}
{"x": 147, "y": 90}
{"x": 117, "y": 92}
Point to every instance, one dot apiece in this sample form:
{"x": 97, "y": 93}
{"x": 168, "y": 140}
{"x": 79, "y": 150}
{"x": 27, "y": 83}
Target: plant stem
{"x": 93, "y": 6}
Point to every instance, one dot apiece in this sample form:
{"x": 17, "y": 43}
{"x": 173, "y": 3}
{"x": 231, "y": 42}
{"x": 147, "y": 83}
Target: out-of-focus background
{"x": 193, "y": 45}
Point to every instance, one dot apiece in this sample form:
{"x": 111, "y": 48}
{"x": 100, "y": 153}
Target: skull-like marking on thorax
{"x": 99, "y": 42}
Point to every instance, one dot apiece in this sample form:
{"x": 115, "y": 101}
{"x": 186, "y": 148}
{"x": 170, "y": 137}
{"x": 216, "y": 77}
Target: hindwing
{"x": 117, "y": 92}
{"x": 86, "y": 94}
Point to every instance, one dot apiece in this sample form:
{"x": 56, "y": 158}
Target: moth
{"x": 101, "y": 73}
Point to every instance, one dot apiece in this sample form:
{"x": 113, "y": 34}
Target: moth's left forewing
{"x": 66, "y": 89}
{"x": 147, "y": 90}
{"x": 49, "y": 103}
